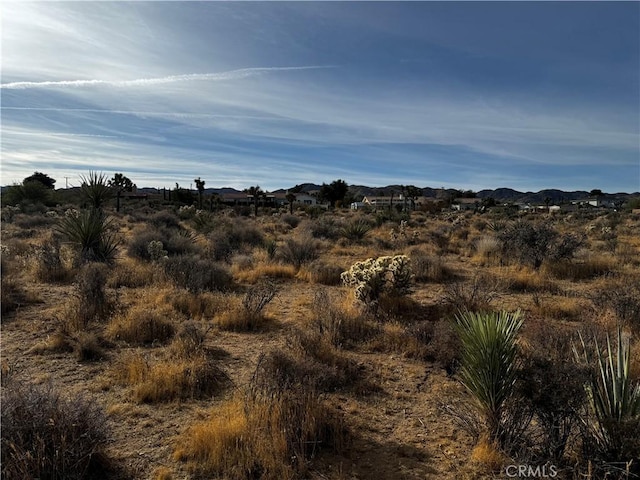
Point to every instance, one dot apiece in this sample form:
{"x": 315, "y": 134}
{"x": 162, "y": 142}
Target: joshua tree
{"x": 413, "y": 193}
{"x": 255, "y": 193}
{"x": 200, "y": 187}
{"x": 119, "y": 183}
{"x": 291, "y": 197}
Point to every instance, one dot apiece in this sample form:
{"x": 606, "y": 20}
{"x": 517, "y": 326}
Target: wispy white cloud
{"x": 143, "y": 82}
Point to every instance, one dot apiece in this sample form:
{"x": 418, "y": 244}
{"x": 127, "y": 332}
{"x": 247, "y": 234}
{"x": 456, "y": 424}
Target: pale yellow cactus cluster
{"x": 375, "y": 276}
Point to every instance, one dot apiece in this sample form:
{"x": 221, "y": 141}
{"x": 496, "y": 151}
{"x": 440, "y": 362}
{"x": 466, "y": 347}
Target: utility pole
{"x": 66, "y": 182}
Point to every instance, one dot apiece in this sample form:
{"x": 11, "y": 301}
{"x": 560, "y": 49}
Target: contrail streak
{"x": 230, "y": 75}
{"x": 145, "y": 113}
{"x": 55, "y": 134}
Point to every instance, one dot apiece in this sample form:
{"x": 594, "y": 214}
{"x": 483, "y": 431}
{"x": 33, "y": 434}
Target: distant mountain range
{"x": 498, "y": 194}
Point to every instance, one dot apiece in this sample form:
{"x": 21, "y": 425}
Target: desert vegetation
{"x": 155, "y": 339}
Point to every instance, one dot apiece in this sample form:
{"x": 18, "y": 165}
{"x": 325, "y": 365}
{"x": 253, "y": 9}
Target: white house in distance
{"x": 385, "y": 201}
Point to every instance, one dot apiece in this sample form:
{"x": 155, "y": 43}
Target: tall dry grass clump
{"x": 142, "y": 325}
{"x": 248, "y": 314}
{"x": 166, "y": 380}
{"x": 271, "y": 433}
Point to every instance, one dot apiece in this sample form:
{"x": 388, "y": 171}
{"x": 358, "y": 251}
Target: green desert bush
{"x": 92, "y": 232}
{"x": 173, "y": 242}
{"x": 489, "y": 366}
{"x": 614, "y": 400}
{"x": 356, "y": 231}
{"x": 46, "y": 435}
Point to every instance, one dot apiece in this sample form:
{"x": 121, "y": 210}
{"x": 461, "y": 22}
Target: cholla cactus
{"x": 375, "y": 276}
{"x": 156, "y": 250}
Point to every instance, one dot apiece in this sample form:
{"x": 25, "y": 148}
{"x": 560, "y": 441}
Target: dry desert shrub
{"x": 473, "y": 296}
{"x": 196, "y": 305}
{"x": 269, "y": 433}
{"x": 154, "y": 381}
{"x": 48, "y": 436}
{"x": 341, "y": 328}
{"x": 48, "y": 265}
{"x": 132, "y": 274}
{"x": 487, "y": 249}
{"x": 196, "y": 274}
{"x": 12, "y": 296}
{"x": 298, "y": 253}
{"x": 142, "y": 325}
{"x": 90, "y": 302}
{"x": 86, "y": 346}
{"x": 247, "y": 314}
{"x": 334, "y": 369}
{"x": 174, "y": 242}
{"x": 584, "y": 269}
{"x": 559, "y": 308}
{"x": 291, "y": 220}
{"x": 324, "y": 273}
{"x": 622, "y": 297}
{"x": 429, "y": 268}
{"x": 525, "y": 279}
{"x": 266, "y": 271}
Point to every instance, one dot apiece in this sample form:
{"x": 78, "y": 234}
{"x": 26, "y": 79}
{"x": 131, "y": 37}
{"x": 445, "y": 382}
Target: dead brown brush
{"x": 474, "y": 295}
{"x": 47, "y": 435}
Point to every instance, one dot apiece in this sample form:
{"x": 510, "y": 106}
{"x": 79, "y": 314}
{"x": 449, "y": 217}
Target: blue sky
{"x": 469, "y": 95}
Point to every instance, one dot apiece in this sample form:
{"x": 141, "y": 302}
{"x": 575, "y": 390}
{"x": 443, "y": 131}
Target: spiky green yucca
{"x": 614, "y": 398}
{"x": 489, "y": 361}
{"x": 92, "y": 231}
{"x": 95, "y": 187}
{"x": 356, "y": 231}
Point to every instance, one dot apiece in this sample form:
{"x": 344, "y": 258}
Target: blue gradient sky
{"x": 466, "y": 95}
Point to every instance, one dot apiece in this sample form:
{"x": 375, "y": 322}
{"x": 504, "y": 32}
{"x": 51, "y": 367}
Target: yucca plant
{"x": 356, "y": 231}
{"x": 95, "y": 188}
{"x": 613, "y": 398}
{"x": 93, "y": 232}
{"x": 489, "y": 363}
